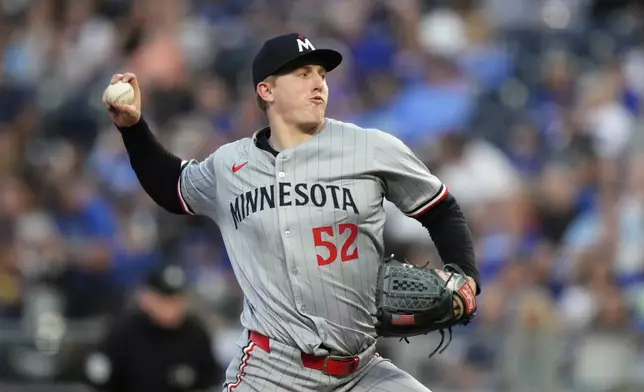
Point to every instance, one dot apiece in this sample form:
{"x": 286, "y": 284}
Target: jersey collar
{"x": 260, "y": 138}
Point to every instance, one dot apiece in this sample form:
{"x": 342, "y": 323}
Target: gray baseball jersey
{"x": 304, "y": 229}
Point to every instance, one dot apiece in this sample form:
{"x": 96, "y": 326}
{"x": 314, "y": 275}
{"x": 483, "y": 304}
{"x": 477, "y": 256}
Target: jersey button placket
{"x": 288, "y": 251}
{"x": 281, "y": 159}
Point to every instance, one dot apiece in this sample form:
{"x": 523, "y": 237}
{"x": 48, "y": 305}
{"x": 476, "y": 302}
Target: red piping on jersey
{"x": 184, "y": 205}
{"x": 431, "y": 203}
{"x": 247, "y": 352}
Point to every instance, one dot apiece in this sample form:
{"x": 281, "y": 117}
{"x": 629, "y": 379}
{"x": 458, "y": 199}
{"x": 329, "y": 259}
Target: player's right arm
{"x": 178, "y": 186}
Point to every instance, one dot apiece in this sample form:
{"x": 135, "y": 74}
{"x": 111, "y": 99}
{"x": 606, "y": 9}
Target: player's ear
{"x": 265, "y": 90}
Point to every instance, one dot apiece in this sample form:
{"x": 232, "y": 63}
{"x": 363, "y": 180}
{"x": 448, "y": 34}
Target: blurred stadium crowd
{"x": 529, "y": 110}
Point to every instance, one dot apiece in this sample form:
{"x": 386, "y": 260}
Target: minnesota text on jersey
{"x": 301, "y": 194}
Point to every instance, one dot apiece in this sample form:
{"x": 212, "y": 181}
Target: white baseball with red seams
{"x": 119, "y": 93}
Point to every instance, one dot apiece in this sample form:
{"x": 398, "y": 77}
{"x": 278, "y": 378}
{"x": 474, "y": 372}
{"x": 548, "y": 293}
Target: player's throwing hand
{"x": 124, "y": 115}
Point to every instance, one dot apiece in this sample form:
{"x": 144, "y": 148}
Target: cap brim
{"x": 327, "y": 58}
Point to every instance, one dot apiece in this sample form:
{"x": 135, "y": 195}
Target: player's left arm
{"x": 421, "y": 195}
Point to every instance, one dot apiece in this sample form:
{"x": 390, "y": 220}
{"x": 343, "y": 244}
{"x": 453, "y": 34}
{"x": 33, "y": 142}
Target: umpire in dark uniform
{"x": 158, "y": 346}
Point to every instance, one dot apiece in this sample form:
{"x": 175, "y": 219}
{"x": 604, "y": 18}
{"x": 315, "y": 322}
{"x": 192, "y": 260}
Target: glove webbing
{"x": 455, "y": 269}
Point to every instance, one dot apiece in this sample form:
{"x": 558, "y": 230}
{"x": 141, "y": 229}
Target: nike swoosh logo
{"x": 237, "y": 168}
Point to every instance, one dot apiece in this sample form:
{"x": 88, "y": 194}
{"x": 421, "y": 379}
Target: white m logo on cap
{"x": 306, "y": 44}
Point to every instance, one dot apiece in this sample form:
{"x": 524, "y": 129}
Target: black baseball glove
{"x": 413, "y": 301}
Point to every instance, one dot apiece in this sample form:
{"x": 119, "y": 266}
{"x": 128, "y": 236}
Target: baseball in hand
{"x": 120, "y": 93}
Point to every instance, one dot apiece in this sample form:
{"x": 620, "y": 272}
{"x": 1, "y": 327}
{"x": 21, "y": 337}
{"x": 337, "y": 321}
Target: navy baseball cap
{"x": 168, "y": 280}
{"x": 290, "y": 51}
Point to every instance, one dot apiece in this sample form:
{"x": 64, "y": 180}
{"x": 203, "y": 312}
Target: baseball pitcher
{"x": 300, "y": 208}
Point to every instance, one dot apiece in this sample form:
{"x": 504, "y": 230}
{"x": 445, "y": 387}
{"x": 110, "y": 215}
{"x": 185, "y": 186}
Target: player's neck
{"x": 284, "y": 136}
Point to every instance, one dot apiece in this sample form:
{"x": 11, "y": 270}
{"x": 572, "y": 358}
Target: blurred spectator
{"x": 606, "y": 357}
{"x": 86, "y": 226}
{"x": 161, "y": 333}
{"x": 466, "y": 165}
{"x": 533, "y": 350}
{"x": 10, "y": 287}
{"x": 526, "y": 151}
{"x": 605, "y": 118}
{"x": 483, "y": 58}
{"x": 83, "y": 42}
{"x": 557, "y": 204}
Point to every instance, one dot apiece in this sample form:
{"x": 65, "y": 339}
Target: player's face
{"x": 301, "y": 96}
